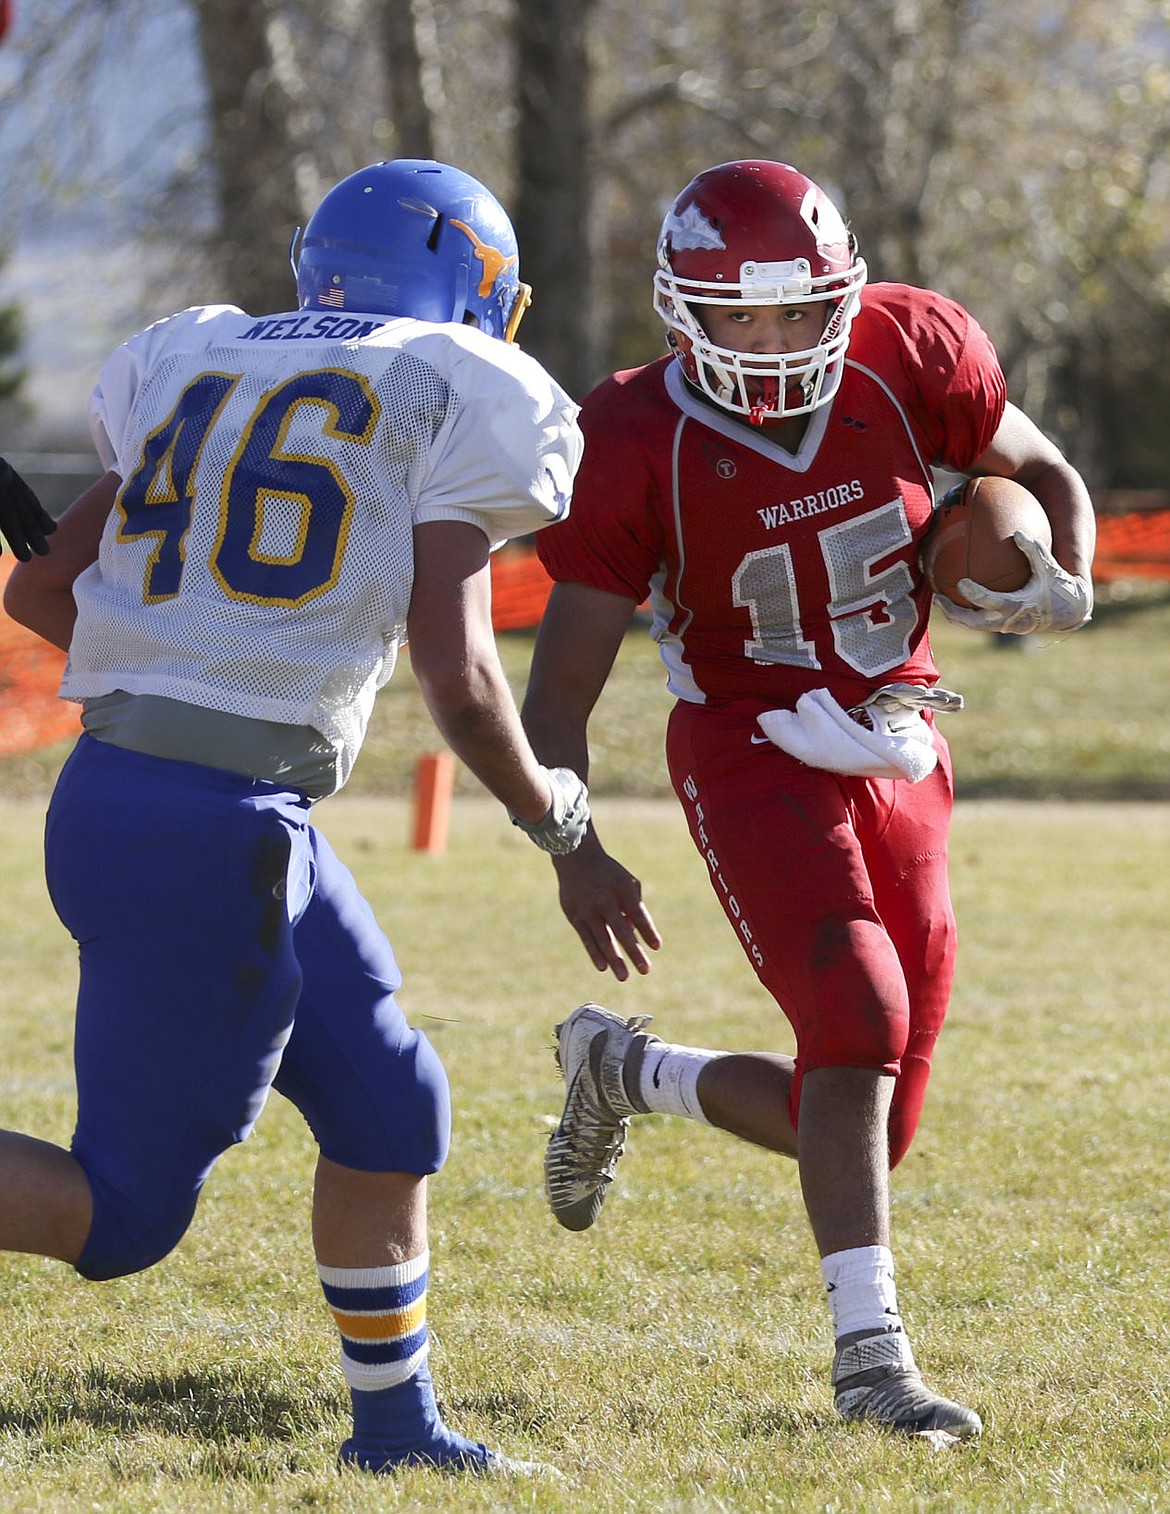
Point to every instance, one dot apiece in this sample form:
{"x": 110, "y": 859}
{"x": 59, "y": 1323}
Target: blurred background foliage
{"x": 1011, "y": 153}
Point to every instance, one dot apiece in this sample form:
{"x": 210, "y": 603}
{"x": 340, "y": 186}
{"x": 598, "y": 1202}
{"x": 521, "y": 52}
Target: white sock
{"x": 381, "y": 1313}
{"x": 669, "y": 1077}
{"x": 861, "y": 1288}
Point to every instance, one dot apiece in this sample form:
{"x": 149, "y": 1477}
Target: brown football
{"x": 971, "y": 537}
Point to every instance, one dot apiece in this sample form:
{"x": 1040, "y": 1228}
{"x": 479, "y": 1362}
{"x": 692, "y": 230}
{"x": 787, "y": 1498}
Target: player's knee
{"x": 126, "y": 1237}
{"x": 429, "y": 1132}
{"x": 865, "y": 1033}
{"x": 862, "y": 1017}
{"x": 395, "y": 1117}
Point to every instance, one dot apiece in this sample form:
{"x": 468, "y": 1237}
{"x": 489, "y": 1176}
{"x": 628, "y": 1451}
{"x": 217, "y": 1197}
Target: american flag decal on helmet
{"x": 333, "y": 297}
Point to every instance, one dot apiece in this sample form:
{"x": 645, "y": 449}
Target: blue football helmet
{"x": 415, "y": 238}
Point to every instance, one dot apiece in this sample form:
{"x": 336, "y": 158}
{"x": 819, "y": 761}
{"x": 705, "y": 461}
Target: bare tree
{"x": 414, "y": 77}
{"x": 554, "y": 196}
{"x": 252, "y": 146}
{"x": 895, "y": 120}
{"x": 1011, "y": 153}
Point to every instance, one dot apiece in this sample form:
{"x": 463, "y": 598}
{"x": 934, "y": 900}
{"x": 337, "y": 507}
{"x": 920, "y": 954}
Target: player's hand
{"x": 562, "y": 828}
{"x": 1052, "y": 600}
{"x": 602, "y": 901}
{"x": 24, "y": 521}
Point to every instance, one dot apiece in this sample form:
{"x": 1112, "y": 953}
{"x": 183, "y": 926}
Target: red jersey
{"x": 769, "y": 572}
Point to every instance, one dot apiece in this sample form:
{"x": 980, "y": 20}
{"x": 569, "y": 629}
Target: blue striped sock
{"x": 381, "y": 1314}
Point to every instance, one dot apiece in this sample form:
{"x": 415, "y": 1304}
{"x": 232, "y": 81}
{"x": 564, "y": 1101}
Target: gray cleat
{"x": 876, "y": 1378}
{"x": 594, "y": 1048}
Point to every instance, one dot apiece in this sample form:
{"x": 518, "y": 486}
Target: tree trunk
{"x": 413, "y": 79}
{"x": 253, "y": 154}
{"x": 554, "y": 198}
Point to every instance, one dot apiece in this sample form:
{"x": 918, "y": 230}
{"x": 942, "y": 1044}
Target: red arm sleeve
{"x": 958, "y": 383}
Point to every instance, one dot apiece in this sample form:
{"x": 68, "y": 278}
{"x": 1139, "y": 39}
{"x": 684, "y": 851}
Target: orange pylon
{"x": 434, "y": 782}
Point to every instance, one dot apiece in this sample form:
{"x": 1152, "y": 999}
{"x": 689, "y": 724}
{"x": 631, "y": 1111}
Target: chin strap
{"x": 766, "y": 407}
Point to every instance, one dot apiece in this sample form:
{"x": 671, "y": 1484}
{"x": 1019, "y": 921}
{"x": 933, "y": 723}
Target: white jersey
{"x": 259, "y": 559}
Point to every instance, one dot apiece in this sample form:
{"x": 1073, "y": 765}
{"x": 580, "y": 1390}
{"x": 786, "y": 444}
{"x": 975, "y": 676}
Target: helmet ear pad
{"x": 411, "y": 237}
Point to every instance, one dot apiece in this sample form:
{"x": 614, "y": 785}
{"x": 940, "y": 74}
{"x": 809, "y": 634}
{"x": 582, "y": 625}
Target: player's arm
{"x": 1020, "y": 450}
{"x": 24, "y": 521}
{"x": 1059, "y": 595}
{"x": 576, "y": 645}
{"x": 456, "y": 662}
{"x": 39, "y": 593}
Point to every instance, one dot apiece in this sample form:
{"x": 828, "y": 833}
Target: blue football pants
{"x": 224, "y": 949}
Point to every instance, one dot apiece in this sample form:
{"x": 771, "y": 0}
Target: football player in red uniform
{"x": 765, "y": 486}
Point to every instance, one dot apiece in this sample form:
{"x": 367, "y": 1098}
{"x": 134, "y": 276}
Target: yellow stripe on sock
{"x": 383, "y": 1327}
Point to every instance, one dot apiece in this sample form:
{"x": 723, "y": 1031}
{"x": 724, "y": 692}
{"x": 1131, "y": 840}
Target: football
{"x": 971, "y": 537}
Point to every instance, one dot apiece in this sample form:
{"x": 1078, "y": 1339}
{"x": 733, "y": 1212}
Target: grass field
{"x": 676, "y": 1357}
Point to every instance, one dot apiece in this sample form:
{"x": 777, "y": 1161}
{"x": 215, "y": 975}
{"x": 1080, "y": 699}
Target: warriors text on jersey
{"x": 259, "y": 558}
{"x": 769, "y": 572}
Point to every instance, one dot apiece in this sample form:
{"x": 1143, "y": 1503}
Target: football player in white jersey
{"x": 286, "y": 499}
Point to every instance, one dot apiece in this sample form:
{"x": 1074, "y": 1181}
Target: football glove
{"x": 24, "y": 521}
{"x": 563, "y": 829}
{"x": 1052, "y": 599}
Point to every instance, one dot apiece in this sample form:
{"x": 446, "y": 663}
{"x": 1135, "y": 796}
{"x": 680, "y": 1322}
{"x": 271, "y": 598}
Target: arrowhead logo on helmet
{"x": 691, "y": 228}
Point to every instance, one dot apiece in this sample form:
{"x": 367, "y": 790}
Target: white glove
{"x": 1051, "y": 600}
{"x": 563, "y": 829}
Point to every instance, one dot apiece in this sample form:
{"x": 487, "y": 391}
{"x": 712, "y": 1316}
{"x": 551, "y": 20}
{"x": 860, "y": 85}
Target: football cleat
{"x": 876, "y": 1378}
{"x": 595, "y": 1050}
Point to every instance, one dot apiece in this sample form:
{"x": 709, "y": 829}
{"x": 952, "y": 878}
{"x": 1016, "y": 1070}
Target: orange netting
{"x": 520, "y": 588}
{"x": 31, "y": 714}
{"x": 1136, "y": 545}
{"x": 1133, "y": 546}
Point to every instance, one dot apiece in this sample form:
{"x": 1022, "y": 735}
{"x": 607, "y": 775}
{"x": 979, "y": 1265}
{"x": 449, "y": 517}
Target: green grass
{"x": 676, "y": 1357}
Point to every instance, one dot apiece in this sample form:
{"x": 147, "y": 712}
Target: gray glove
{"x": 1051, "y": 600}
{"x": 562, "y": 830}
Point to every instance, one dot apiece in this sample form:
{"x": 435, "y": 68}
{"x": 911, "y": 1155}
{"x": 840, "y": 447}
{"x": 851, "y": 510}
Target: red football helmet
{"x": 764, "y": 234}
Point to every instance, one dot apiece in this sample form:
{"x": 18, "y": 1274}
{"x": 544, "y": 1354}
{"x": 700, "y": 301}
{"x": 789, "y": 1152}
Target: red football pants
{"x": 837, "y": 890}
